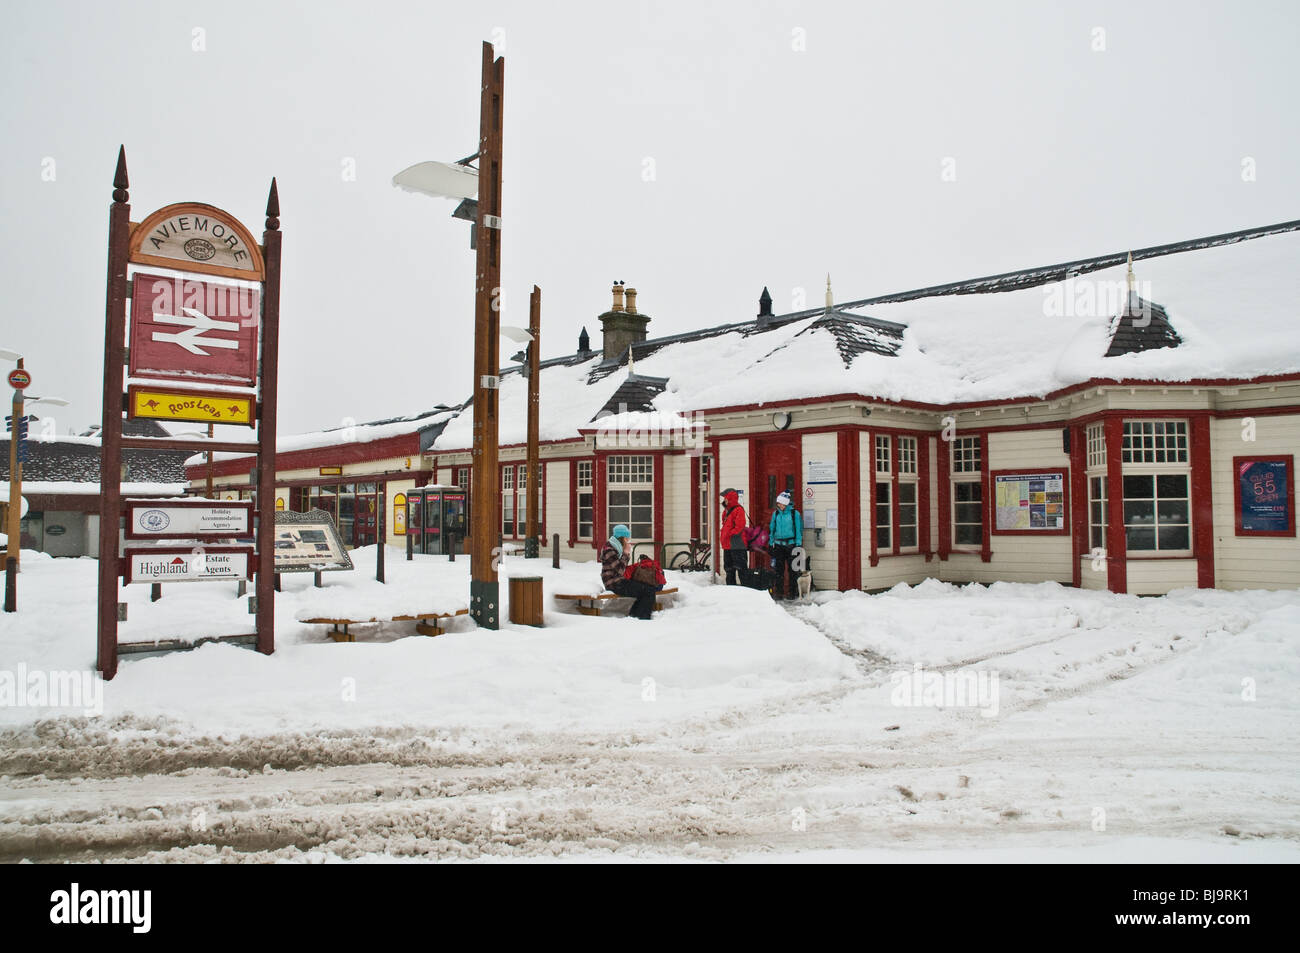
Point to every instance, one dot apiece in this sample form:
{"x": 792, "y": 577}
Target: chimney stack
{"x": 622, "y": 326}
{"x": 764, "y": 307}
{"x": 584, "y": 342}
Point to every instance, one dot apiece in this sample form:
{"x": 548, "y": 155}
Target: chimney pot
{"x": 631, "y": 300}
{"x": 618, "y": 297}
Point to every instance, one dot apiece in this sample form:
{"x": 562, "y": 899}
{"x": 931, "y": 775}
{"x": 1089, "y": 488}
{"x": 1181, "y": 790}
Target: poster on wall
{"x": 1265, "y": 496}
{"x": 1029, "y": 502}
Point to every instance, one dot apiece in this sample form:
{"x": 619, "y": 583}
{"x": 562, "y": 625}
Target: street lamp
{"x": 457, "y": 180}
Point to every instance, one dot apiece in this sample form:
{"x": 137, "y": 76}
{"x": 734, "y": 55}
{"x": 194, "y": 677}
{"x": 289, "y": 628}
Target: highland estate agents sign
{"x": 175, "y": 519}
{"x": 190, "y": 565}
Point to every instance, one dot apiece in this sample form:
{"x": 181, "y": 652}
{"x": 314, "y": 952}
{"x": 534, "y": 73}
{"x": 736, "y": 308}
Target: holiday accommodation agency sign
{"x": 190, "y": 565}
{"x": 187, "y": 519}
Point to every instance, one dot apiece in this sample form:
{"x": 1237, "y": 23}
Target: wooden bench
{"x": 422, "y": 625}
{"x": 588, "y": 604}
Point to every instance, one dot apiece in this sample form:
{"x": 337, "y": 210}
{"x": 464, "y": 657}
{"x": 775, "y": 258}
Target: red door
{"x": 776, "y": 468}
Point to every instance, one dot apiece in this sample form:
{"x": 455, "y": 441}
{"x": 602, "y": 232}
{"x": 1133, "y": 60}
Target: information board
{"x": 1030, "y": 502}
{"x": 308, "y": 542}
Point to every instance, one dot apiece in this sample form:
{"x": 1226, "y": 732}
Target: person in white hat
{"x": 784, "y": 536}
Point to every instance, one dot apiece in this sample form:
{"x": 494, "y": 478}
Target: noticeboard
{"x": 1031, "y": 501}
{"x": 188, "y": 519}
{"x": 1265, "y": 495}
{"x": 309, "y": 542}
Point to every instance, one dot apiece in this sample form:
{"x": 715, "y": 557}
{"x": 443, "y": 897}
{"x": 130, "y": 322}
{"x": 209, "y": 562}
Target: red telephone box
{"x": 435, "y": 515}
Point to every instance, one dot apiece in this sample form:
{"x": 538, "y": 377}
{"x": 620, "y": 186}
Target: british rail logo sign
{"x": 186, "y": 329}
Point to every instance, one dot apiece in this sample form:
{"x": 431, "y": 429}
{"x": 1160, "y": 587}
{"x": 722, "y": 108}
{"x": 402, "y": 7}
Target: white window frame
{"x": 1155, "y": 443}
{"x": 585, "y": 488}
{"x": 630, "y": 473}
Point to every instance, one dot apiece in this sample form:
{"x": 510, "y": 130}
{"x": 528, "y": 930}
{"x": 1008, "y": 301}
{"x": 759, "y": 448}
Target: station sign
{"x": 187, "y": 329}
{"x": 188, "y": 565}
{"x": 209, "y": 407}
{"x": 188, "y": 519}
{"x": 192, "y": 236}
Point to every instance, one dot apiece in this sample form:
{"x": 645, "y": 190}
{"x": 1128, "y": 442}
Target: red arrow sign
{"x": 186, "y": 329}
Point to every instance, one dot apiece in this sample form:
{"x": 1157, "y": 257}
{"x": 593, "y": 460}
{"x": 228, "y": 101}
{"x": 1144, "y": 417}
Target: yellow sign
{"x": 279, "y": 503}
{"x": 399, "y": 514}
{"x": 212, "y": 407}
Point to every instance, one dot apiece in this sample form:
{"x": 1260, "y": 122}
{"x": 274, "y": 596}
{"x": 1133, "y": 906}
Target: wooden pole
{"x": 484, "y": 588}
{"x": 13, "y": 517}
{"x": 209, "y": 492}
{"x": 379, "y": 531}
{"x": 110, "y": 430}
{"x": 532, "y": 544}
{"x": 267, "y": 408}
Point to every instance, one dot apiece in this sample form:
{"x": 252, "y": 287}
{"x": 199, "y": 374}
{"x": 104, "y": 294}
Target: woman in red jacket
{"x": 734, "y": 556}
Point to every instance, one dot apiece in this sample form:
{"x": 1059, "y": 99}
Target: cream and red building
{"x": 1080, "y": 423}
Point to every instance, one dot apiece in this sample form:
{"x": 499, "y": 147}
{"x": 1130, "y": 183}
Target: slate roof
{"x": 77, "y": 461}
{"x": 1141, "y": 326}
{"x": 637, "y": 393}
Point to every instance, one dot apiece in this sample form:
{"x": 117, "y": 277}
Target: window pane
{"x": 968, "y": 513}
{"x": 1139, "y": 486}
{"x": 882, "y": 492}
{"x": 907, "y": 492}
{"x": 1139, "y": 511}
{"x": 1174, "y": 512}
{"x": 907, "y": 536}
{"x": 968, "y": 535}
{"x": 1175, "y": 537}
{"x": 641, "y": 497}
{"x": 1172, "y": 485}
{"x": 1098, "y": 538}
{"x": 882, "y": 537}
{"x": 1140, "y": 538}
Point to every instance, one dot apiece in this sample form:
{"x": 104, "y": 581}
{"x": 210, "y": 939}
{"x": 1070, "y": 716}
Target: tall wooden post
{"x": 267, "y": 407}
{"x": 532, "y": 542}
{"x": 484, "y": 589}
{"x": 13, "y": 517}
{"x": 110, "y": 429}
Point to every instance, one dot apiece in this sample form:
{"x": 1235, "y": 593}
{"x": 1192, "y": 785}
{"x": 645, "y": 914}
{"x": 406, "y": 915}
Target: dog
{"x": 805, "y": 584}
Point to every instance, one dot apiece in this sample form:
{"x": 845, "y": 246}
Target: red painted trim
{"x": 657, "y": 530}
{"x": 986, "y": 505}
{"x": 923, "y": 541}
{"x": 404, "y": 445}
{"x": 1202, "y": 501}
{"x": 1258, "y": 412}
{"x": 573, "y": 503}
{"x": 1079, "y": 508}
{"x": 599, "y": 501}
{"x": 1000, "y": 401}
{"x": 1237, "y": 462}
{"x": 1116, "y": 548}
{"x": 850, "y": 504}
{"x": 695, "y": 497}
{"x": 944, "y": 489}
{"x": 873, "y": 553}
{"x": 1031, "y": 471}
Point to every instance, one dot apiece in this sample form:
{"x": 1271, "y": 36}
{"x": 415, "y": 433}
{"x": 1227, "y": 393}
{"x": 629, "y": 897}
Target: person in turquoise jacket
{"x": 784, "y": 536}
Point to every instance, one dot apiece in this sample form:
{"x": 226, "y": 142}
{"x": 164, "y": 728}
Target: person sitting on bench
{"x": 614, "y": 560}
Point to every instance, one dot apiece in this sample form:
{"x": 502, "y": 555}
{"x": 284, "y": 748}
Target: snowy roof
{"x": 67, "y": 459}
{"x": 1021, "y": 334}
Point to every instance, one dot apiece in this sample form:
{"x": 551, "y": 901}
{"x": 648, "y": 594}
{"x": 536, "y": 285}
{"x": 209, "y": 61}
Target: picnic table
{"x": 597, "y": 603}
{"x": 426, "y": 623}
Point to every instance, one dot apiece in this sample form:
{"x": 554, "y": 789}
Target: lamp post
{"x": 459, "y": 181}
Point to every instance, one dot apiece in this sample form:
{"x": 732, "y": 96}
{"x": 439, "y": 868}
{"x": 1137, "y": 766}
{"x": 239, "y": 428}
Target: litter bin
{"x": 526, "y": 600}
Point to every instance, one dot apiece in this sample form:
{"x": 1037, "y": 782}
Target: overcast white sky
{"x": 788, "y": 139}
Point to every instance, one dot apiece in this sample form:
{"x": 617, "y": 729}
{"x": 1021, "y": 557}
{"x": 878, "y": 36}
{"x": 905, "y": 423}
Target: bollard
{"x": 277, "y": 582}
{"x": 242, "y": 589}
{"x": 410, "y": 547}
{"x": 451, "y": 547}
{"x": 379, "y": 562}
{"x": 11, "y": 584}
{"x": 555, "y": 551}
{"x": 316, "y": 574}
{"x": 155, "y": 592}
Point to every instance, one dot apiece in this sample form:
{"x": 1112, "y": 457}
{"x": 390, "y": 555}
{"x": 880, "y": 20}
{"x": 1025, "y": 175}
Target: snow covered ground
{"x": 1077, "y": 726}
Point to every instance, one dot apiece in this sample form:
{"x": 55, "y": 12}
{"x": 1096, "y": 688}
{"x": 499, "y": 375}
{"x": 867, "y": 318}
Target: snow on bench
{"x": 595, "y": 604}
{"x": 422, "y": 625}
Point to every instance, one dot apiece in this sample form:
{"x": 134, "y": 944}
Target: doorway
{"x": 777, "y": 468}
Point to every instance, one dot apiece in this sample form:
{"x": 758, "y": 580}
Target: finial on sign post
{"x": 1130, "y": 273}
{"x": 273, "y": 208}
{"x": 120, "y": 181}
{"x": 830, "y": 301}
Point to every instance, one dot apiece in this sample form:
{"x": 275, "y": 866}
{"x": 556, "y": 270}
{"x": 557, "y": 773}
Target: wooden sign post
{"x": 196, "y": 348}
